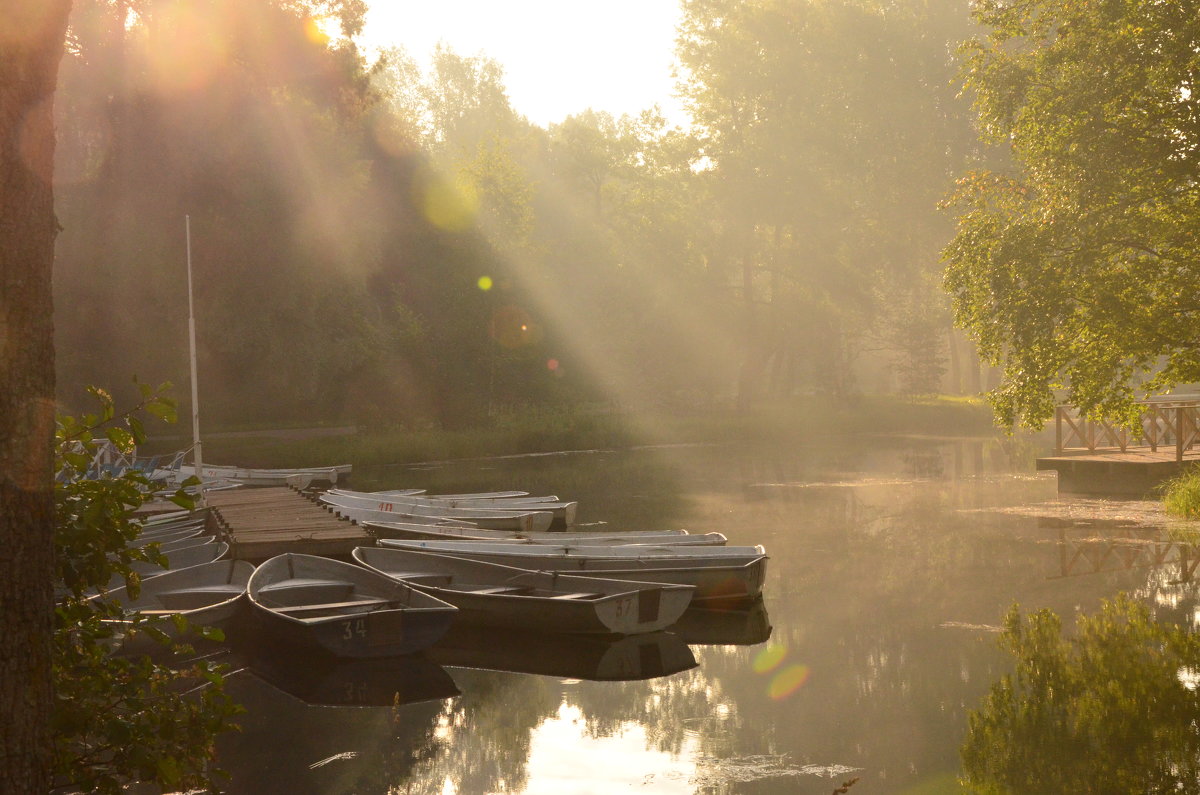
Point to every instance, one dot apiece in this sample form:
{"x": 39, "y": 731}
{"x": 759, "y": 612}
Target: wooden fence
{"x": 1164, "y": 423}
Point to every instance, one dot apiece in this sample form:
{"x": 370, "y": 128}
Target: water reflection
{"x": 892, "y": 564}
{"x": 644, "y": 656}
{"x": 380, "y": 682}
{"x": 744, "y": 626}
{"x": 288, "y": 746}
{"x": 1098, "y": 546}
{"x": 1112, "y": 709}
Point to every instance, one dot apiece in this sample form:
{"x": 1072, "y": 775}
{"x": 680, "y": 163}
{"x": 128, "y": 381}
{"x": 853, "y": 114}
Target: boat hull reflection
{"x": 746, "y": 626}
{"x": 625, "y": 658}
{"x": 371, "y": 682}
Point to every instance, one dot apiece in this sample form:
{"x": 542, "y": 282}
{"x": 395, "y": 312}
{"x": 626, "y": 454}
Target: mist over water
{"x": 892, "y": 565}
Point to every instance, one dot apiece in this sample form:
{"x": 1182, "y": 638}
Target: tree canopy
{"x": 381, "y": 244}
{"x": 1076, "y": 268}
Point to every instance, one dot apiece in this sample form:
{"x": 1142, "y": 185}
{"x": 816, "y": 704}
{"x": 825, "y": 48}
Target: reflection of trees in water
{"x": 287, "y": 745}
{"x": 670, "y": 709}
{"x": 485, "y": 733}
{"x": 883, "y": 590}
{"x": 1105, "y": 711}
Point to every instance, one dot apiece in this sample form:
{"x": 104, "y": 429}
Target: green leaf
{"x": 163, "y": 408}
{"x": 183, "y": 500}
{"x": 136, "y": 430}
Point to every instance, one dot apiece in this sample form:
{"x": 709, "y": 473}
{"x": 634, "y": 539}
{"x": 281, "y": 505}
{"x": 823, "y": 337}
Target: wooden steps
{"x": 263, "y": 522}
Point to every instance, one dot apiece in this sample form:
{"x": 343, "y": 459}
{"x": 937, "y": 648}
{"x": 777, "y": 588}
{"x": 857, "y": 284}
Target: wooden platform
{"x": 1133, "y": 473}
{"x": 261, "y": 523}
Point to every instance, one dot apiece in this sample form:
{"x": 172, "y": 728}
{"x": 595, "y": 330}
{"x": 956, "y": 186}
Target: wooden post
{"x": 1058, "y": 418}
{"x": 1179, "y": 434}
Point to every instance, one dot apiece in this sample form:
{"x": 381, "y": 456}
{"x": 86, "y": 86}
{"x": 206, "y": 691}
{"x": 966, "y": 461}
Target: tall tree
{"x": 831, "y": 133}
{"x": 31, "y": 47}
{"x": 1077, "y": 268}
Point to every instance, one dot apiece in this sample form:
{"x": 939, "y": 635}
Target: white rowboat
{"x": 343, "y": 609}
{"x": 523, "y": 521}
{"x": 407, "y": 531}
{"x": 727, "y": 575}
{"x": 545, "y": 601}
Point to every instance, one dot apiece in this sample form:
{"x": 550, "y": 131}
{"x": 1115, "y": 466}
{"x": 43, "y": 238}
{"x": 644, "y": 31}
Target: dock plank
{"x": 260, "y": 523}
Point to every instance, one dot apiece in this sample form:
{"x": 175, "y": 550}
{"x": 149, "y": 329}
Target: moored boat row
{"x": 439, "y": 567}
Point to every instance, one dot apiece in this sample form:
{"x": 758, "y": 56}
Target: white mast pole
{"x": 196, "y": 455}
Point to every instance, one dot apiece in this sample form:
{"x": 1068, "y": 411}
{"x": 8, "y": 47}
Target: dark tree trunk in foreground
{"x": 31, "y": 46}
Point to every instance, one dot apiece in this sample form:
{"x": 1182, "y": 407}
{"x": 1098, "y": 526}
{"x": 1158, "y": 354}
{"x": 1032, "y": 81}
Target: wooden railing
{"x": 1164, "y": 423}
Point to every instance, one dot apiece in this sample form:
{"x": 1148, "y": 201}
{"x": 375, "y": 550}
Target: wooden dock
{"x": 261, "y": 523}
{"x": 1102, "y": 458}
{"x": 1133, "y": 473}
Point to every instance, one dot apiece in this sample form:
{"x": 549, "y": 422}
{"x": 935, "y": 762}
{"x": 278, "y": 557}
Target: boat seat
{"x": 577, "y": 596}
{"x": 301, "y": 591}
{"x": 502, "y": 589}
{"x": 420, "y": 577}
{"x": 333, "y": 605}
{"x": 200, "y": 596}
{"x": 221, "y": 588}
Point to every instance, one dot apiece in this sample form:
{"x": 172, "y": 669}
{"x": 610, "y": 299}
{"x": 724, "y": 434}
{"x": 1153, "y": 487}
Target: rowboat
{"x": 176, "y": 559}
{"x": 728, "y": 575}
{"x": 263, "y": 477}
{"x": 205, "y": 595}
{"x": 563, "y": 512}
{"x": 604, "y": 658}
{"x": 524, "y": 521}
{"x": 343, "y": 609}
{"x": 183, "y": 543}
{"x": 549, "y": 601}
{"x": 172, "y": 527}
{"x": 182, "y": 558}
{"x": 144, "y": 539}
{"x": 404, "y": 530}
{"x": 479, "y": 495}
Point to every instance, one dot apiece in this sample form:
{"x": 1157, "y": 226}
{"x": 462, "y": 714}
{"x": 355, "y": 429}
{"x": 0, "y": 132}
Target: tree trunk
{"x": 751, "y": 366}
{"x": 31, "y": 46}
{"x": 953, "y": 345}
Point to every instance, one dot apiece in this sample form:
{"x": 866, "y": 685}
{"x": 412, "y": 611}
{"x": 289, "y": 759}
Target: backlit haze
{"x": 559, "y": 58}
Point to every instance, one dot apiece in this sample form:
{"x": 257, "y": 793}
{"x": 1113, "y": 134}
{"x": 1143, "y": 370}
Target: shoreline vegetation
{"x": 534, "y": 431}
{"x": 1181, "y": 495}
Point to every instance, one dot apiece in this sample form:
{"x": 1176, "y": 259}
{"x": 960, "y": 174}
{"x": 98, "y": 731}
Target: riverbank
{"x": 533, "y": 431}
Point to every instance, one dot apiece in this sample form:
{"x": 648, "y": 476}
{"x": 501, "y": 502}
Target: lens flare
{"x": 485, "y": 283}
{"x": 196, "y": 50}
{"x": 512, "y": 327}
{"x": 769, "y": 658}
{"x": 788, "y": 681}
{"x": 552, "y": 365}
{"x": 447, "y": 205}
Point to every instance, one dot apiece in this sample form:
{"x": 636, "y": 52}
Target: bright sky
{"x": 559, "y": 56}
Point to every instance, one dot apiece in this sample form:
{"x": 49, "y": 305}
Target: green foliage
{"x": 1106, "y": 711}
{"x": 1181, "y": 494}
{"x": 119, "y": 719}
{"x": 1076, "y": 269}
{"x": 831, "y": 129}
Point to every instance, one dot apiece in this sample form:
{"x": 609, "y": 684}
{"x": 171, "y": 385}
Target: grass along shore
{"x": 535, "y": 431}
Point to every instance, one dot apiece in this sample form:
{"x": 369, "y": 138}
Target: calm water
{"x": 891, "y": 566}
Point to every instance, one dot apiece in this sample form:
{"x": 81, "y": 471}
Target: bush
{"x": 1181, "y": 495}
{"x": 120, "y": 719}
